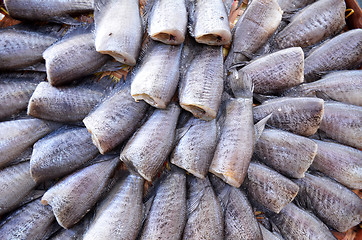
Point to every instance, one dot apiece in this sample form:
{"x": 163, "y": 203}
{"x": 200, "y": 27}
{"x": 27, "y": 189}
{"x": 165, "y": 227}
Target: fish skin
{"x": 29, "y": 222}
{"x": 167, "y": 216}
{"x": 21, "y": 48}
{"x": 240, "y": 222}
{"x": 118, "y": 29}
{"x": 63, "y": 104}
{"x": 286, "y": 152}
{"x": 201, "y": 88}
{"x": 84, "y": 186}
{"x": 15, "y": 184}
{"x": 210, "y": 23}
{"x": 236, "y": 142}
{"x": 156, "y": 80}
{"x": 334, "y": 204}
{"x": 168, "y": 21}
{"x": 295, "y": 223}
{"x": 205, "y": 218}
{"x": 258, "y": 30}
{"x": 275, "y": 72}
{"x": 72, "y": 57}
{"x": 15, "y": 92}
{"x": 301, "y": 116}
{"x": 115, "y": 119}
{"x": 343, "y": 122}
{"x": 55, "y": 10}
{"x": 149, "y": 147}
{"x": 313, "y": 24}
{"x": 340, "y": 162}
{"x": 194, "y": 151}
{"x": 269, "y": 188}
{"x": 120, "y": 215}
{"x": 61, "y": 153}
{"x": 341, "y": 52}
{"x": 289, "y": 6}
{"x": 342, "y": 86}
{"x": 18, "y": 135}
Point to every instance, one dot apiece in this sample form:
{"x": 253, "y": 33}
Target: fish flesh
{"x": 301, "y": 115}
{"x": 340, "y": 162}
{"x": 286, "y": 152}
{"x": 120, "y": 215}
{"x": 341, "y": 86}
{"x": 269, "y": 188}
{"x": 72, "y": 57}
{"x": 201, "y": 88}
{"x": 84, "y": 186}
{"x": 168, "y": 21}
{"x": 118, "y": 29}
{"x": 16, "y": 90}
{"x": 150, "y": 146}
{"x": 195, "y": 149}
{"x": 209, "y": 22}
{"x": 343, "y": 122}
{"x": 115, "y": 119}
{"x": 334, "y": 204}
{"x": 18, "y": 135}
{"x": 61, "y": 153}
{"x": 341, "y": 52}
{"x": 313, "y": 24}
{"x": 156, "y": 80}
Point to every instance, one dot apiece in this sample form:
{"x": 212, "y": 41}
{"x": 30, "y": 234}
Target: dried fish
{"x": 333, "y": 203}
{"x": 156, "y": 80}
{"x": 343, "y": 122}
{"x": 61, "y": 153}
{"x": 269, "y": 188}
{"x": 149, "y": 147}
{"x": 340, "y": 162}
{"x": 118, "y": 29}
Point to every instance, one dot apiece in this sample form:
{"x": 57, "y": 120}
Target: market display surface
{"x": 182, "y": 119}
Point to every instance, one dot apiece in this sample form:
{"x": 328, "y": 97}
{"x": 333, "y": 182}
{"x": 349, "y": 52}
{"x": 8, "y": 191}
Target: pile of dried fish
{"x": 192, "y": 142}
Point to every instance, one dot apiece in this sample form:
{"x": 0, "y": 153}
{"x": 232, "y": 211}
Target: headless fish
{"x": 342, "y": 86}
{"x": 341, "y": 52}
{"x": 313, "y": 24}
{"x": 156, "y": 80}
{"x": 286, "y": 152}
{"x": 32, "y": 221}
{"x": 115, "y": 119}
{"x": 149, "y": 147}
{"x": 18, "y": 135}
{"x": 201, "y": 88}
{"x": 118, "y": 29}
{"x": 210, "y": 24}
{"x": 64, "y": 104}
{"x": 239, "y": 219}
{"x": 168, "y": 21}
{"x": 334, "y": 204}
{"x": 167, "y": 216}
{"x": 341, "y": 162}
{"x": 16, "y": 90}
{"x": 269, "y": 188}
{"x": 194, "y": 151}
{"x": 296, "y": 223}
{"x": 72, "y": 57}
{"x": 72, "y": 197}
{"x": 120, "y": 215}
{"x": 61, "y": 153}
{"x": 205, "y": 218}
{"x": 15, "y": 184}
{"x": 301, "y": 116}
{"x": 343, "y": 122}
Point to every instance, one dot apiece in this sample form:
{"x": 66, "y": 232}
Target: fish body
{"x": 118, "y": 29}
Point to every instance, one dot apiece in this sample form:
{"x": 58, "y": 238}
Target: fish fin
{"x": 146, "y": 12}
{"x": 181, "y": 132}
{"x": 224, "y": 197}
{"x": 242, "y": 86}
{"x": 190, "y": 7}
{"x": 65, "y": 19}
{"x": 34, "y": 194}
{"x": 324, "y": 96}
{"x": 99, "y": 5}
{"x": 77, "y": 30}
{"x": 259, "y": 126}
{"x": 263, "y": 98}
{"x": 239, "y": 64}
{"x": 51, "y": 29}
{"x": 111, "y": 66}
{"x": 37, "y": 67}
{"x": 196, "y": 199}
